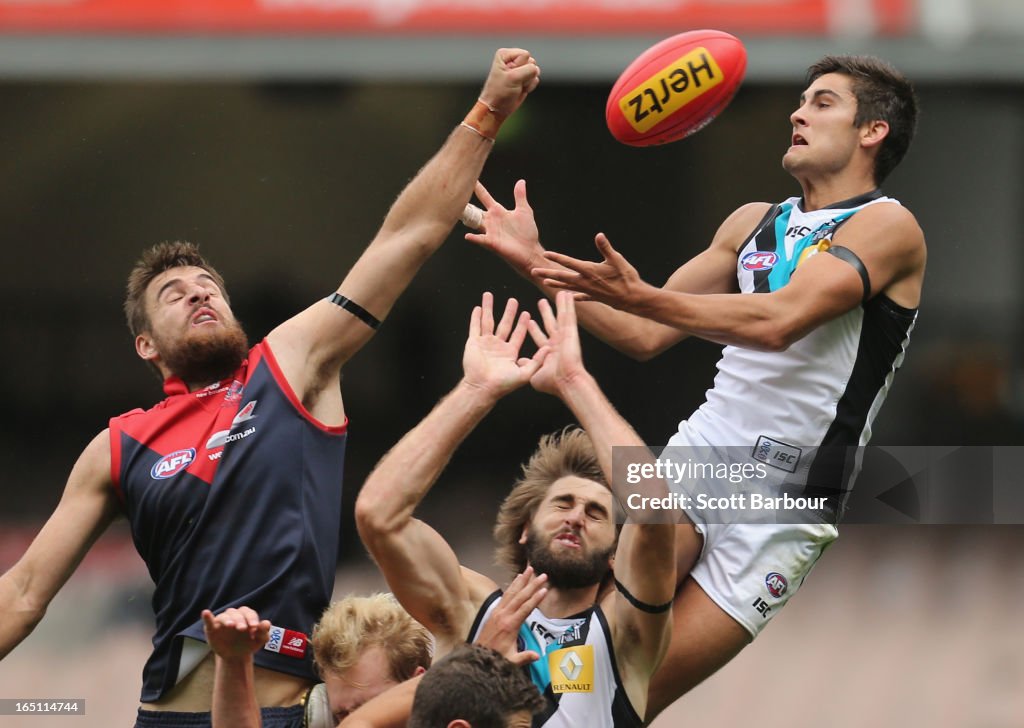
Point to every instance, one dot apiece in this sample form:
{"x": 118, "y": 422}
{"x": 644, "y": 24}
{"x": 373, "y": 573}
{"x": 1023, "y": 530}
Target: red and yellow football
{"x": 676, "y": 87}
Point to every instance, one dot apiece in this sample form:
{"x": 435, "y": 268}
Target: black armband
{"x": 642, "y": 606}
{"x": 858, "y": 265}
{"x": 355, "y": 309}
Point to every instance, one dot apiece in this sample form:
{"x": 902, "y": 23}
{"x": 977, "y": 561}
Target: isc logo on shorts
{"x": 572, "y": 669}
{"x": 759, "y": 260}
{"x": 172, "y": 464}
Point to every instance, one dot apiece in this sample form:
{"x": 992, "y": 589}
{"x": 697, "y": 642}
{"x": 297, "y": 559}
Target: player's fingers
{"x": 538, "y": 336}
{"x": 558, "y": 285}
{"x": 521, "y": 659}
{"x": 483, "y": 195}
{"x": 474, "y": 322}
{"x": 604, "y": 246}
{"x": 249, "y": 616}
{"x": 487, "y": 313}
{"x": 515, "y": 57}
{"x": 566, "y": 310}
{"x": 524, "y": 598}
{"x": 472, "y": 217}
{"x": 558, "y": 274}
{"x": 566, "y": 260}
{"x": 519, "y": 332}
{"x": 508, "y": 318}
{"x": 480, "y": 239}
{"x": 519, "y": 193}
{"x": 512, "y": 592}
{"x": 547, "y": 315}
{"x": 209, "y": 621}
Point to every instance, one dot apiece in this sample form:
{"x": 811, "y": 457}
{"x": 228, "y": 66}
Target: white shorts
{"x": 749, "y": 569}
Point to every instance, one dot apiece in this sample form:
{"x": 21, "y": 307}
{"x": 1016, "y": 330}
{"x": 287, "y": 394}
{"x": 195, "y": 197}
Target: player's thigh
{"x": 704, "y": 638}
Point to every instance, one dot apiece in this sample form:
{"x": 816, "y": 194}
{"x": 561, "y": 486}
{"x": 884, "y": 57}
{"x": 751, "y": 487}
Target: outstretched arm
{"x": 513, "y": 236}
{"x": 85, "y": 510}
{"x": 235, "y": 635}
{"x": 312, "y": 346}
{"x": 645, "y": 556}
{"x": 420, "y": 567}
{"x": 885, "y": 237}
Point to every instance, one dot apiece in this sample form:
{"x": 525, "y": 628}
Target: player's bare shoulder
{"x": 890, "y": 243}
{"x": 739, "y": 225}
{"x": 889, "y": 229}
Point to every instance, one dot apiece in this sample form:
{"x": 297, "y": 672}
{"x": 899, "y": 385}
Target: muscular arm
{"x": 419, "y": 565}
{"x": 85, "y": 510}
{"x": 645, "y": 555}
{"x": 513, "y": 236}
{"x": 312, "y": 346}
{"x": 886, "y": 237}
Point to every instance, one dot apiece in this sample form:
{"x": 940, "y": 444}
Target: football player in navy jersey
{"x": 232, "y": 484}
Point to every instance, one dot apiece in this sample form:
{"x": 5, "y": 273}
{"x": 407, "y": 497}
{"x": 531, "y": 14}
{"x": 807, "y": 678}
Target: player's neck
{"x": 820, "y": 191}
{"x": 561, "y": 603}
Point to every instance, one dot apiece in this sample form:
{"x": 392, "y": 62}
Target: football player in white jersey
{"x": 595, "y": 668}
{"x": 852, "y": 126}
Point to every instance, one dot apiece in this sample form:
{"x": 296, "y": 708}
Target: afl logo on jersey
{"x": 759, "y": 260}
{"x": 776, "y": 583}
{"x": 172, "y": 464}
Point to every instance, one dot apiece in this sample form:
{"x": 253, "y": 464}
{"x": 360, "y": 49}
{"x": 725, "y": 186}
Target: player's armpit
{"x": 423, "y": 573}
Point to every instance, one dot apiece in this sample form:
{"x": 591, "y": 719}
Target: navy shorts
{"x": 291, "y": 717}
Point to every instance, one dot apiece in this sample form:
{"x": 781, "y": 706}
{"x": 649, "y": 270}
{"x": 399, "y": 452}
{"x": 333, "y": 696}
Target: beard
{"x": 567, "y": 570}
{"x": 203, "y": 357}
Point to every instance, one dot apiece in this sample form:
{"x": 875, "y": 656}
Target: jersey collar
{"x": 852, "y": 202}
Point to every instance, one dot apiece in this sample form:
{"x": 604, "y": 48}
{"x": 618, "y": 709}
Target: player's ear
{"x": 523, "y": 536}
{"x": 873, "y": 133}
{"x": 145, "y": 347}
{"x": 459, "y": 723}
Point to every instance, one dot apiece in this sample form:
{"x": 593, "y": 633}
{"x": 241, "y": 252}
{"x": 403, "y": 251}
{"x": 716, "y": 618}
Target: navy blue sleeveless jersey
{"x": 233, "y": 493}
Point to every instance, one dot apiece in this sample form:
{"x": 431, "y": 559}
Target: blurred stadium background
{"x": 276, "y": 133}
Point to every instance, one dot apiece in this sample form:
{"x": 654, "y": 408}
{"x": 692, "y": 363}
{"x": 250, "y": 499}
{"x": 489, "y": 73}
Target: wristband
{"x": 484, "y": 119}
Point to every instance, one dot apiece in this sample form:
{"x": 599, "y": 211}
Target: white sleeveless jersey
{"x": 576, "y": 672}
{"x": 788, "y": 409}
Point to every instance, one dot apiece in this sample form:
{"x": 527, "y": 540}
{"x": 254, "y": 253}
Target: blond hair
{"x": 354, "y": 624}
{"x": 560, "y": 454}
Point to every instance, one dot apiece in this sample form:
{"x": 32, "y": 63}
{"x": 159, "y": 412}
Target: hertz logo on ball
{"x": 672, "y": 88}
